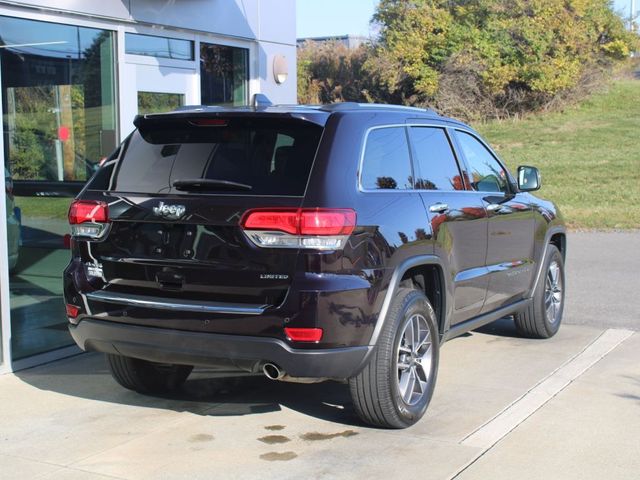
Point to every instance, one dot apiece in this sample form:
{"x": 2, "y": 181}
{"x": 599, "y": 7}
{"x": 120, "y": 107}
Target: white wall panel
{"x": 105, "y": 8}
{"x": 227, "y": 17}
{"x": 278, "y": 21}
{"x": 286, "y": 92}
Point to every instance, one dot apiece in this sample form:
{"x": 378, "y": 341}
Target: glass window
{"x": 161, "y": 47}
{"x": 386, "y": 165}
{"x": 155, "y": 102}
{"x": 224, "y": 75}
{"x": 270, "y": 157}
{"x": 436, "y": 166}
{"x": 59, "y": 120}
{"x": 487, "y": 175}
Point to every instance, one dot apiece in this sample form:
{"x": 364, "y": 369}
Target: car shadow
{"x": 505, "y": 327}
{"x": 207, "y": 392}
{"x": 211, "y": 392}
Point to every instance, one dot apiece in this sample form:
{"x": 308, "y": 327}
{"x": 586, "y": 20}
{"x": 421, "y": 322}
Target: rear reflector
{"x": 304, "y": 334}
{"x": 314, "y": 228}
{"x": 72, "y": 310}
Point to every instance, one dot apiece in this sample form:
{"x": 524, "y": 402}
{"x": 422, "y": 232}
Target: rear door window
{"x": 270, "y": 157}
{"x": 386, "y": 164}
{"x": 436, "y": 166}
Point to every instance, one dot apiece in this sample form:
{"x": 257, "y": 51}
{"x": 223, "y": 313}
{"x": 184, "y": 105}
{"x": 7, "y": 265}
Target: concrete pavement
{"x": 69, "y": 419}
{"x": 504, "y": 407}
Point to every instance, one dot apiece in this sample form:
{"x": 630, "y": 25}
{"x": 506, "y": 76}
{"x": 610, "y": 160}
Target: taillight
{"x": 88, "y": 218}
{"x": 313, "y": 228}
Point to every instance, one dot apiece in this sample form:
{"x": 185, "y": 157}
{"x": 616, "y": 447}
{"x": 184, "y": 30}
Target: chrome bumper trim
{"x": 182, "y": 305}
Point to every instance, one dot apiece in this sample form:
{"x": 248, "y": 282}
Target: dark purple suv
{"x": 308, "y": 243}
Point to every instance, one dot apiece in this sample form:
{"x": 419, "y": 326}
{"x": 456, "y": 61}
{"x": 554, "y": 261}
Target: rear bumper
{"x": 210, "y": 349}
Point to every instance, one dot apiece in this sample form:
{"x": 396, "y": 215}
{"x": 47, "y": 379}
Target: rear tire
{"x": 147, "y": 377}
{"x": 396, "y": 386}
{"x": 543, "y": 316}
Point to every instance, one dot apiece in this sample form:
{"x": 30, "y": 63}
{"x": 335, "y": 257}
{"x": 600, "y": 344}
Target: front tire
{"x": 147, "y": 377}
{"x": 543, "y": 316}
{"x": 396, "y": 386}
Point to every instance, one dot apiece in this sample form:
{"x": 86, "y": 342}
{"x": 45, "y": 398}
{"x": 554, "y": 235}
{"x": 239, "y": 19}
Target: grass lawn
{"x": 589, "y": 156}
{"x": 44, "y": 207}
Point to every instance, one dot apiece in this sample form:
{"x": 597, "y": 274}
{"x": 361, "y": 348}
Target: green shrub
{"x": 474, "y": 58}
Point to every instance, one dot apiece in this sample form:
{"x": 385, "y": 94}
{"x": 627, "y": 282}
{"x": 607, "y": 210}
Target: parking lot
{"x": 504, "y": 407}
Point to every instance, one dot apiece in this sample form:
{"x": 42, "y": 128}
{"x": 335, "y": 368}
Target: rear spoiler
{"x": 180, "y": 117}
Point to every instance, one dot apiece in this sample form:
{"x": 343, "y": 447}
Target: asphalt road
{"x": 603, "y": 279}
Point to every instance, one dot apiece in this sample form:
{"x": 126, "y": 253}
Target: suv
{"x": 309, "y": 243}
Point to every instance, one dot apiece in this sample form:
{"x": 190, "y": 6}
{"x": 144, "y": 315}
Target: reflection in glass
{"x": 59, "y": 120}
{"x": 224, "y": 74}
{"x": 387, "y": 165}
{"x": 436, "y": 164}
{"x": 155, "y": 102}
{"x": 161, "y": 47}
{"x": 487, "y": 175}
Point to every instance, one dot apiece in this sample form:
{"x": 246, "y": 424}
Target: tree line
{"x": 472, "y": 59}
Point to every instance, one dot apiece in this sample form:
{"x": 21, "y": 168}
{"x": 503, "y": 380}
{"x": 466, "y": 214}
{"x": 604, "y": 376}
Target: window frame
{"x": 511, "y": 188}
{"x": 460, "y": 161}
{"x": 161, "y": 37}
{"x": 416, "y": 163}
{"x": 363, "y": 151}
{"x": 247, "y": 62}
{"x": 71, "y": 188}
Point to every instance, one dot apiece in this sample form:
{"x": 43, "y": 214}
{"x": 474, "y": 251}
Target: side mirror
{"x": 529, "y": 179}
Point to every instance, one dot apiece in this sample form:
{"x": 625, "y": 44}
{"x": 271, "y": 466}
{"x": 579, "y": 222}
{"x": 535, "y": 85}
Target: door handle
{"x": 494, "y": 207}
{"x": 438, "y": 208}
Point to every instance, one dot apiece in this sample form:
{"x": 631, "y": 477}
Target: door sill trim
{"x": 478, "y": 322}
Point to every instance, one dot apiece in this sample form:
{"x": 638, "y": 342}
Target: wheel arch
{"x": 556, "y": 236}
{"x": 408, "y": 270}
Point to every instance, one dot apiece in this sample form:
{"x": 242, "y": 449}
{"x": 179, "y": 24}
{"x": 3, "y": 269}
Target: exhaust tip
{"x": 272, "y": 371}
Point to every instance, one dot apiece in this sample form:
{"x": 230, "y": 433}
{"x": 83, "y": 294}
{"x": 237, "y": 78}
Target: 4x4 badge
{"x": 170, "y": 212}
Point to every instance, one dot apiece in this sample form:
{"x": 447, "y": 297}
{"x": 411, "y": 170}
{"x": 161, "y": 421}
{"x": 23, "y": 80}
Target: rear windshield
{"x": 267, "y": 157}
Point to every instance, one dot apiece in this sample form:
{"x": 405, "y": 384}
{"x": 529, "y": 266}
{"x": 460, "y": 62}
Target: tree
{"x": 518, "y": 51}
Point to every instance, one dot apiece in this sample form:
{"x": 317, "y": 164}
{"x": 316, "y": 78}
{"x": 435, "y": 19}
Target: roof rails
{"x": 343, "y": 106}
{"x": 339, "y": 107}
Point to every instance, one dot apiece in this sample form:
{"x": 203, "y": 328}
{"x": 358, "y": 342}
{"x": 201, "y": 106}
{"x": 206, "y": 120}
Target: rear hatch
{"x": 176, "y": 194}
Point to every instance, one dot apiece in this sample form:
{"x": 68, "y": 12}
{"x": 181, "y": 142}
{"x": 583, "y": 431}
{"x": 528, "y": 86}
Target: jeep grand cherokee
{"x": 343, "y": 242}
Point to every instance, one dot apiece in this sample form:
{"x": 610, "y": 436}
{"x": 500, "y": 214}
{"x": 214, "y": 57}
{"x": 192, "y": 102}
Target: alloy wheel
{"x": 553, "y": 293}
{"x": 414, "y": 359}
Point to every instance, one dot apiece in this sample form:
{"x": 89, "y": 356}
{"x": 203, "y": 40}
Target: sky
{"x": 320, "y": 18}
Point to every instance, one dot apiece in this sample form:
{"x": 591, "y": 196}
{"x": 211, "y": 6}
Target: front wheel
{"x": 543, "y": 316}
{"x": 396, "y": 386}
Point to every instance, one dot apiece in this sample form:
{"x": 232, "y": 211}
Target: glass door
{"x": 59, "y": 120}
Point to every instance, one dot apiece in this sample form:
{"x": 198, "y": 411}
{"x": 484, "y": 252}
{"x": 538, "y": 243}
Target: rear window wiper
{"x": 209, "y": 184}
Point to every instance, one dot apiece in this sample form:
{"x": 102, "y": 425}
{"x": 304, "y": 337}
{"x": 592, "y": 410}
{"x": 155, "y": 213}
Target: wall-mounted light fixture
{"x": 280, "y": 69}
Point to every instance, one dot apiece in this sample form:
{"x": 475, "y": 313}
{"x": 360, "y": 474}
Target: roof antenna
{"x": 260, "y": 100}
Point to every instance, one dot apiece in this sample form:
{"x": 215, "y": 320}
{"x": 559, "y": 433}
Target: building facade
{"x": 73, "y": 76}
{"x": 349, "y": 41}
